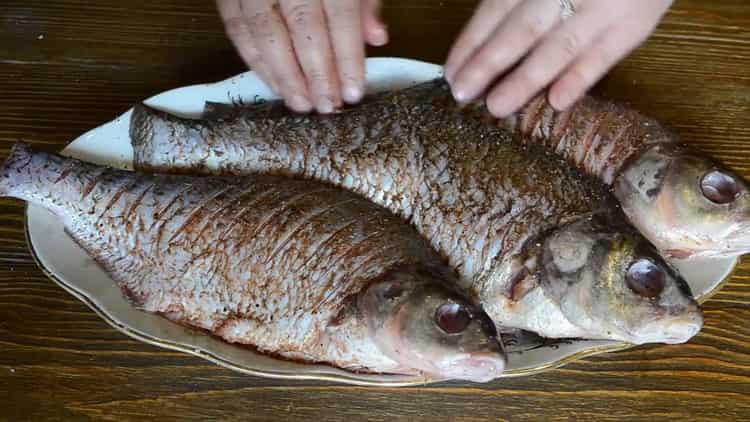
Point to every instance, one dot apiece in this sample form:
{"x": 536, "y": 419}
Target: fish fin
{"x": 150, "y": 134}
{"x": 517, "y": 341}
{"x": 348, "y": 310}
{"x": 134, "y": 299}
{"x": 214, "y": 111}
{"x": 256, "y": 110}
{"x": 140, "y": 124}
{"x": 522, "y": 283}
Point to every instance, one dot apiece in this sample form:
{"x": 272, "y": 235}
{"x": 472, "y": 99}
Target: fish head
{"x": 426, "y": 325}
{"x": 612, "y": 283}
{"x": 686, "y": 204}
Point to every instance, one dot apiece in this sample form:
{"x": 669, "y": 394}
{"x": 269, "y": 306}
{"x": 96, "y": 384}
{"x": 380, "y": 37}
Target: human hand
{"x": 528, "y": 45}
{"x": 310, "y": 52}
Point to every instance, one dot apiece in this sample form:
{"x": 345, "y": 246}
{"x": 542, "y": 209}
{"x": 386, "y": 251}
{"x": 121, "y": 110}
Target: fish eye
{"x": 719, "y": 187}
{"x": 645, "y": 278}
{"x": 452, "y": 318}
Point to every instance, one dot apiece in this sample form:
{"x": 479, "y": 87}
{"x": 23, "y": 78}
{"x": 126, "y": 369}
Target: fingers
{"x": 593, "y": 65}
{"x": 239, "y": 33}
{"x": 559, "y": 48}
{"x": 307, "y": 25}
{"x": 272, "y": 40}
{"x": 481, "y": 25}
{"x": 375, "y": 31}
{"x": 311, "y": 52}
{"x": 529, "y": 21}
{"x": 343, "y": 18}
{"x": 613, "y": 44}
{"x": 581, "y": 49}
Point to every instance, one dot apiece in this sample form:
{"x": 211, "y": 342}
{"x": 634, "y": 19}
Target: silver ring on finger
{"x": 567, "y": 9}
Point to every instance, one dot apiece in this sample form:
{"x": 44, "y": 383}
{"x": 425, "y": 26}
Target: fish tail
{"x": 48, "y": 180}
{"x": 163, "y": 143}
{"x": 147, "y": 126}
{"x": 140, "y": 125}
{"x": 16, "y": 173}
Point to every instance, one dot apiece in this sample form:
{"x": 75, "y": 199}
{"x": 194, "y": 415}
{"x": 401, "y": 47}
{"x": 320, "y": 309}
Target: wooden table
{"x": 69, "y": 65}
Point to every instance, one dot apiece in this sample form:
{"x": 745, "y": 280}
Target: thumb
{"x": 375, "y": 31}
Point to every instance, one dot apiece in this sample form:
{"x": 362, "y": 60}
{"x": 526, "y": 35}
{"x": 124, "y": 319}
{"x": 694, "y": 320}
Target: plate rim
{"x": 350, "y": 379}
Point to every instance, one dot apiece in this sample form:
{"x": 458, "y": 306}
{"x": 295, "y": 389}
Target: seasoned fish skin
{"x": 687, "y": 204}
{"x": 598, "y": 137}
{"x": 267, "y": 261}
{"x": 465, "y": 186}
{"x": 684, "y": 202}
{"x": 488, "y": 204}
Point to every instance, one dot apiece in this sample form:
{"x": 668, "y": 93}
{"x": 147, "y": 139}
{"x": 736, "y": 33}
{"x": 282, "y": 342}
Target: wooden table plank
{"x": 69, "y": 65}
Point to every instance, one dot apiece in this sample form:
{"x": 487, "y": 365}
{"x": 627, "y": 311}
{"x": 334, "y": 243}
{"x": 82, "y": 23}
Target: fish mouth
{"x": 672, "y": 330}
{"x": 681, "y": 239}
{"x": 729, "y": 243}
{"x": 722, "y": 249}
{"x": 476, "y": 367}
{"x": 681, "y": 253}
{"x": 737, "y": 243}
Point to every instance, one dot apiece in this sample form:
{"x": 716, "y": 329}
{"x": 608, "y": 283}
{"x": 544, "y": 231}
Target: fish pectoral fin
{"x": 122, "y": 269}
{"x": 522, "y": 282}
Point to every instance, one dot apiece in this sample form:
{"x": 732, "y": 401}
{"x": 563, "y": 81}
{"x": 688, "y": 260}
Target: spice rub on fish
{"x": 295, "y": 268}
{"x": 685, "y": 203}
{"x": 539, "y": 245}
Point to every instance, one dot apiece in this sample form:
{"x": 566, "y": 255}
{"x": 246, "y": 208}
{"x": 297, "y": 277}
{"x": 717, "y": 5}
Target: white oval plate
{"x": 68, "y": 265}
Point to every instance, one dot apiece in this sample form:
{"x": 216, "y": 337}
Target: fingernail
{"x": 559, "y": 100}
{"x": 299, "y": 103}
{"x": 352, "y": 93}
{"x": 325, "y": 105}
{"x": 461, "y": 94}
{"x": 380, "y": 36}
{"x": 498, "y": 108}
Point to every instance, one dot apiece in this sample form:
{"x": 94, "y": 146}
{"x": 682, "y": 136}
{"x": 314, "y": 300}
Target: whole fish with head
{"x": 294, "y": 268}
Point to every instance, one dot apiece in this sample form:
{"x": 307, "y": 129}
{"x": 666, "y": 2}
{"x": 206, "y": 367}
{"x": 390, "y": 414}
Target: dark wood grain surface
{"x": 67, "y": 66}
